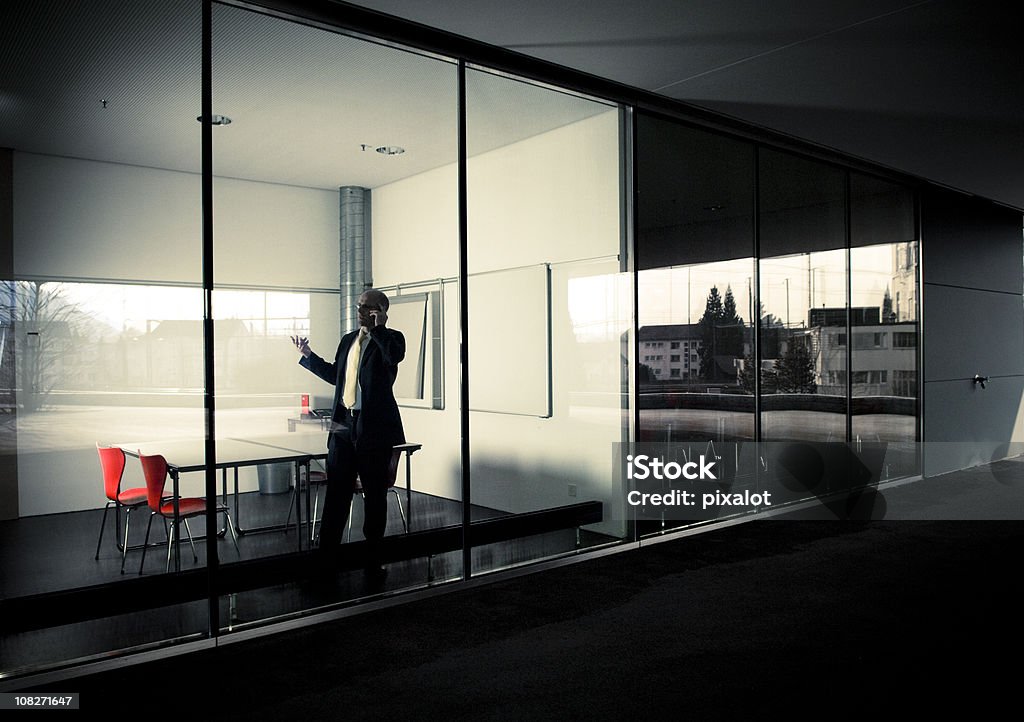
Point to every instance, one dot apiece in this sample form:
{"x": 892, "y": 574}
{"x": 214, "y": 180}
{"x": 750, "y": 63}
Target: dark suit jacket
{"x": 379, "y": 425}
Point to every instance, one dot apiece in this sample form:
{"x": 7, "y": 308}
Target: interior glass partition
{"x": 549, "y": 318}
{"x": 101, "y": 340}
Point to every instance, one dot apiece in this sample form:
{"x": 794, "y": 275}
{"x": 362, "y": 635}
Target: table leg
{"x": 176, "y": 527}
{"x": 299, "y": 466}
{"x": 408, "y": 491}
{"x": 224, "y": 497}
{"x": 238, "y": 516}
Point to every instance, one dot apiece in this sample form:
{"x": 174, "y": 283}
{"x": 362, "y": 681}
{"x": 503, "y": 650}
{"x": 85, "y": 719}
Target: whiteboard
{"x": 510, "y": 341}
{"x": 408, "y": 314}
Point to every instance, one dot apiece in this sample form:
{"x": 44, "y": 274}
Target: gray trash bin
{"x": 274, "y": 478}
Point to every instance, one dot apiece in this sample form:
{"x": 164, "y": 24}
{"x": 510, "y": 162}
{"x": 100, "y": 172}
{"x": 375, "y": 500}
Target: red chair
{"x": 112, "y": 462}
{"x": 154, "y": 469}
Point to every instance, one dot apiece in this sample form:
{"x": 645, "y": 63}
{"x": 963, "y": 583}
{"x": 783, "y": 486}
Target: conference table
{"x": 298, "y": 449}
{"x": 188, "y": 455}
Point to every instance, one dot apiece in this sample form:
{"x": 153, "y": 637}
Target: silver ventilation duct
{"x": 355, "y": 258}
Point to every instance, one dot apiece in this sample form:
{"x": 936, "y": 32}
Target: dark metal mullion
{"x": 212, "y": 565}
{"x": 629, "y": 262}
{"x": 467, "y": 555}
{"x": 756, "y": 311}
{"x": 849, "y": 308}
{"x": 919, "y": 321}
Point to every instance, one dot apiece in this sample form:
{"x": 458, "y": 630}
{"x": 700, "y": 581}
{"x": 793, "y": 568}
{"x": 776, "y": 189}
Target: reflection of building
{"x": 859, "y": 315}
{"x": 904, "y": 281}
{"x": 883, "y": 356}
{"x": 671, "y": 351}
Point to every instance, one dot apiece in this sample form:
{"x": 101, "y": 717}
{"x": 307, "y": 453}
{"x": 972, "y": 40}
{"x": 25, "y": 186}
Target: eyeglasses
{"x": 363, "y": 307}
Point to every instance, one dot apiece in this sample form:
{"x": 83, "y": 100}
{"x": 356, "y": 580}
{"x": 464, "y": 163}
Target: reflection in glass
{"x": 884, "y": 348}
{"x": 695, "y": 352}
{"x": 696, "y": 293}
{"x": 696, "y": 283}
{"x": 803, "y": 339}
{"x": 802, "y": 290}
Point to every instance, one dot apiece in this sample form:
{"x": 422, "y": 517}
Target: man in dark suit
{"x": 365, "y": 424}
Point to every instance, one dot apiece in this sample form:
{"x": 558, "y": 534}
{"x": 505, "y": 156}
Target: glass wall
{"x": 776, "y": 301}
{"x": 102, "y": 342}
{"x": 549, "y": 310}
{"x": 336, "y": 174}
{"x": 884, "y": 345}
{"x": 696, "y": 292}
{"x": 834, "y": 358}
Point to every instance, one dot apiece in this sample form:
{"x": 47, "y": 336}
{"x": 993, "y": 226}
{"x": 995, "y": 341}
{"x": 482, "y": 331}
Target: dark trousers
{"x": 344, "y": 463}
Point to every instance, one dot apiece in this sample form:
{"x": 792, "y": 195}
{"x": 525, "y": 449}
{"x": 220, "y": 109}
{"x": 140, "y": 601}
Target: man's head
{"x": 371, "y": 301}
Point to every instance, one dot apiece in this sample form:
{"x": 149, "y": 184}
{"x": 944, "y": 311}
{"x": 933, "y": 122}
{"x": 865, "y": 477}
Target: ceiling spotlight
{"x": 714, "y": 208}
{"x": 217, "y": 120}
{"x": 390, "y": 150}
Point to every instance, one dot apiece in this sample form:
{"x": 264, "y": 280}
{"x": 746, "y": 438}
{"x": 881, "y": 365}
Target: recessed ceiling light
{"x": 713, "y": 208}
{"x": 217, "y": 120}
{"x": 390, "y": 150}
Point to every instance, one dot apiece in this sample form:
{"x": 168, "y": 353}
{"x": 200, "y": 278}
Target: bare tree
{"x": 47, "y": 324}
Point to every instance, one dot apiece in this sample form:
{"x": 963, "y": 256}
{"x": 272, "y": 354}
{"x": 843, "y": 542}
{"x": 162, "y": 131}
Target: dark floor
{"x": 55, "y": 552}
{"x": 789, "y": 619}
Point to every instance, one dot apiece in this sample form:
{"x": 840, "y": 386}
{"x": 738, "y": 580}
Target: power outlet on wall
{"x": 572, "y": 490}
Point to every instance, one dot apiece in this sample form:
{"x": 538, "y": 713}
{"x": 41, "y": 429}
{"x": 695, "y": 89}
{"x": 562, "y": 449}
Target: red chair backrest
{"x": 154, "y": 468}
{"x": 112, "y": 464}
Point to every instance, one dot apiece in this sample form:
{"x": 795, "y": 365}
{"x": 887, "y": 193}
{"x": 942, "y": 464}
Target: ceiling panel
{"x": 934, "y": 88}
{"x": 119, "y": 81}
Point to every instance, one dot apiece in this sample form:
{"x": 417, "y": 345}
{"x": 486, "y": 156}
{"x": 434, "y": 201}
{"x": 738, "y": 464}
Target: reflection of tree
{"x": 721, "y": 332}
{"x": 49, "y": 325}
{"x": 748, "y": 374}
{"x": 887, "y": 314}
{"x": 794, "y": 372}
{"x": 7, "y": 378}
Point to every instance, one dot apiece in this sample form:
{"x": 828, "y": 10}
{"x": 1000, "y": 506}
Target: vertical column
{"x": 356, "y": 268}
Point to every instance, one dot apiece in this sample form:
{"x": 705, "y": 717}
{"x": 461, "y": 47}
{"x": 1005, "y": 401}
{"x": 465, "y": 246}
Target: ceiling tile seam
{"x": 787, "y": 46}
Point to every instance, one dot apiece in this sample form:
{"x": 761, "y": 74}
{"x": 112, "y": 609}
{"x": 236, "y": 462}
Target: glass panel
{"x": 695, "y": 351}
{"x": 336, "y": 173}
{"x": 803, "y": 313}
{"x": 102, "y": 338}
{"x": 548, "y": 317}
{"x": 883, "y": 278}
{"x": 802, "y": 288}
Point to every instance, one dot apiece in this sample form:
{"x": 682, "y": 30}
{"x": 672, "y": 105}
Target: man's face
{"x": 368, "y": 302}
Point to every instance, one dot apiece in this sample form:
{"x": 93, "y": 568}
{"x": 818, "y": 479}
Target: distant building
{"x": 671, "y": 351}
{"x": 883, "y": 355}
